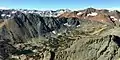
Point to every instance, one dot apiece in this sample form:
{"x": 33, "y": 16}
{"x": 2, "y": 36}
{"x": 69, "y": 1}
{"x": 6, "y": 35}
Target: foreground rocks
{"x": 106, "y": 48}
{"x": 6, "y": 49}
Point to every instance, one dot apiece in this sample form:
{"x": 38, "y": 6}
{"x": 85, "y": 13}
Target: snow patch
{"x": 102, "y": 20}
{"x": 14, "y": 12}
{"x": 119, "y": 20}
{"x": 31, "y": 12}
{"x": 66, "y": 24}
{"x": 78, "y": 25}
{"x": 112, "y": 17}
{"x": 59, "y": 34}
{"x": 8, "y": 15}
{"x": 59, "y": 13}
{"x": 3, "y": 15}
{"x": 24, "y": 12}
{"x": 13, "y": 56}
{"x": 79, "y": 13}
{"x": 92, "y": 14}
{"x": 53, "y": 32}
{"x": 35, "y": 51}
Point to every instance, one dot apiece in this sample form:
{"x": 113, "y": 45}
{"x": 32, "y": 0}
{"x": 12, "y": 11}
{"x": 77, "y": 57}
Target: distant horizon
{"x": 59, "y": 4}
{"x": 59, "y": 8}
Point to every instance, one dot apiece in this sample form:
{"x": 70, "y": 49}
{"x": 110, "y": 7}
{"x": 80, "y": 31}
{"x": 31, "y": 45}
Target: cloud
{"x": 114, "y": 9}
{"x": 4, "y": 7}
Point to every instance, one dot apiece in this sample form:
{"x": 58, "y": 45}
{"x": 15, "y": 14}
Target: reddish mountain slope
{"x": 102, "y": 15}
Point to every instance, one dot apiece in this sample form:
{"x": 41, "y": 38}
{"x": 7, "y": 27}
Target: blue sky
{"x": 58, "y": 4}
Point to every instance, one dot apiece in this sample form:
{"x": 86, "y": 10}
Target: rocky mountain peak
{"x": 89, "y": 10}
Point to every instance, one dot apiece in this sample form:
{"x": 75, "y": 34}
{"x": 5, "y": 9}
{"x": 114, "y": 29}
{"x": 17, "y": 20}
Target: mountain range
{"x": 89, "y": 34}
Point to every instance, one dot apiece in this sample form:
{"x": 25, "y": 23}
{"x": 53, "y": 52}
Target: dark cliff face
{"x": 23, "y": 26}
{"x": 20, "y": 27}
